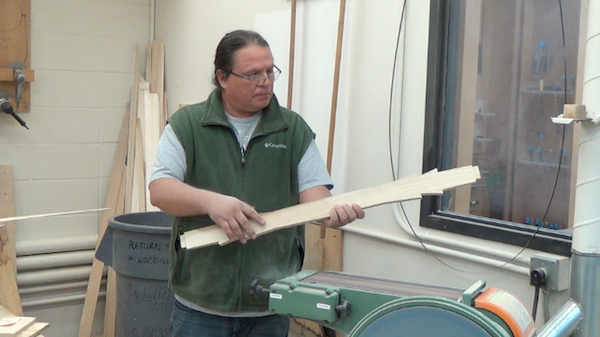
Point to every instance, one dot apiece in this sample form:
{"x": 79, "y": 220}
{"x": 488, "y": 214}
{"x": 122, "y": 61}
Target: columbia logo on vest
{"x": 275, "y": 146}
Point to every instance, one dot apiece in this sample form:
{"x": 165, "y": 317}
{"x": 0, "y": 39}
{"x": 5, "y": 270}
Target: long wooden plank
{"x": 9, "y": 295}
{"x": 432, "y": 183}
{"x": 151, "y": 135}
{"x": 91, "y": 296}
{"x": 137, "y": 79}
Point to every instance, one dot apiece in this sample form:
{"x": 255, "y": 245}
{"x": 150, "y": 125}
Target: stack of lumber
{"x": 141, "y": 128}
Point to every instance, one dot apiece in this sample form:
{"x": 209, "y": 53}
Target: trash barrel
{"x": 136, "y": 246}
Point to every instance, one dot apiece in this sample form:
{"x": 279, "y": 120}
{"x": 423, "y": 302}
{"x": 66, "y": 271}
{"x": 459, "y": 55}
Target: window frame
{"x": 546, "y": 240}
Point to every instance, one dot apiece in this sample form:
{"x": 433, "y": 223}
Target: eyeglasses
{"x": 259, "y": 79}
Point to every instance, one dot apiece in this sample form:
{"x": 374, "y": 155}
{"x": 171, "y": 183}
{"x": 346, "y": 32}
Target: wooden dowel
{"x": 334, "y": 98}
{"x": 292, "y": 54}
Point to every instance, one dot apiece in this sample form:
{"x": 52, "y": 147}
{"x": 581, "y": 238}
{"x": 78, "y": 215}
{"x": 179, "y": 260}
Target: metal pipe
{"x": 564, "y": 322}
{"x": 585, "y": 263}
{"x": 52, "y": 276}
{"x": 54, "y": 287}
{"x": 56, "y": 300}
{"x": 67, "y": 244}
{"x": 439, "y": 250}
{"x": 585, "y": 275}
{"x": 461, "y": 245}
{"x": 45, "y": 261}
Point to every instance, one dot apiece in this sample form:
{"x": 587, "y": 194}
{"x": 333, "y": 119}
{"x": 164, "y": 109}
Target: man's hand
{"x": 341, "y": 215}
{"x": 233, "y": 215}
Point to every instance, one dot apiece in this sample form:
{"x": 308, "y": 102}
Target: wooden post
{"x": 330, "y": 246}
{"x": 468, "y": 94}
{"x": 9, "y": 292}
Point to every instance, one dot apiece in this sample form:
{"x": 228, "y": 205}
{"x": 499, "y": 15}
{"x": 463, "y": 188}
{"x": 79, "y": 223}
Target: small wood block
{"x": 20, "y": 324}
{"x": 574, "y": 111}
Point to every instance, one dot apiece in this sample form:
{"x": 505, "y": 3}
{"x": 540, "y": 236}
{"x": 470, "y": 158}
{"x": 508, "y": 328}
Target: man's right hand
{"x": 233, "y": 215}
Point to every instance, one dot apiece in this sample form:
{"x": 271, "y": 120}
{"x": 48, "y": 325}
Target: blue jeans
{"x": 188, "y": 322}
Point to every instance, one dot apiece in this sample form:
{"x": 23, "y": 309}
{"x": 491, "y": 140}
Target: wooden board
{"x": 431, "y": 183}
{"x": 9, "y": 292}
{"x": 34, "y": 330}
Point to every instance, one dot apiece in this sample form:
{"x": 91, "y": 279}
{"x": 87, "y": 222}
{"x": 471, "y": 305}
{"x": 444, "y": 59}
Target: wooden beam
{"x": 431, "y": 183}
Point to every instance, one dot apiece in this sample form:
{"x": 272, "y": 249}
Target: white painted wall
{"x": 82, "y": 52}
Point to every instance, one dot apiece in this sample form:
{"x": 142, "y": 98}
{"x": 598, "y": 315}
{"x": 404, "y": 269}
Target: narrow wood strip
{"x": 47, "y": 215}
{"x": 110, "y": 308}
{"x": 115, "y": 188}
{"x": 432, "y": 183}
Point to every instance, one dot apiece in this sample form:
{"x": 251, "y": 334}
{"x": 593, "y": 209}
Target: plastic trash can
{"x": 136, "y": 246}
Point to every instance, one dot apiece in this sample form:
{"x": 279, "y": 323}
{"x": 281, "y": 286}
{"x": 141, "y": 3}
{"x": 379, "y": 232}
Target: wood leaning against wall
{"x": 142, "y": 125}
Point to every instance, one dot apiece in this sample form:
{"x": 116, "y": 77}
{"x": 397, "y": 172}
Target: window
{"x": 497, "y": 73}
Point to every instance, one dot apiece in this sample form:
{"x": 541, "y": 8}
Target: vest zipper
{"x": 243, "y": 154}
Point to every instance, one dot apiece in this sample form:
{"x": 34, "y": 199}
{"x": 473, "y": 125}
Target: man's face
{"x": 240, "y": 97}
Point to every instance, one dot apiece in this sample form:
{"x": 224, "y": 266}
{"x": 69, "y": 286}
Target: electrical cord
{"x": 555, "y": 180}
{"x": 537, "y": 278}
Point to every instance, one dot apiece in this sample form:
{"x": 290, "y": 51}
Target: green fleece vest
{"x": 265, "y": 176}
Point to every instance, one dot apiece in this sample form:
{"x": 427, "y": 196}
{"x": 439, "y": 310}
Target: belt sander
{"x": 374, "y": 307}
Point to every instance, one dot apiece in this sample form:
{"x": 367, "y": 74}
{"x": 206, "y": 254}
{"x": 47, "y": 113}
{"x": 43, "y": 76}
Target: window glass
{"x": 498, "y": 73}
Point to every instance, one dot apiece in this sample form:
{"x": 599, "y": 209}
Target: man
{"x": 224, "y": 161}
